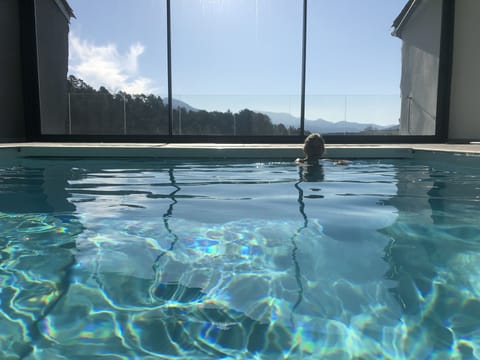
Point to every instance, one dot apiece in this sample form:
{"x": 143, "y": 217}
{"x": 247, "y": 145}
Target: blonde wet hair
{"x": 313, "y": 147}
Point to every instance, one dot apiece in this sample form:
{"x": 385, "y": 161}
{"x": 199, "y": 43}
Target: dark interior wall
{"x": 12, "y": 126}
{"x": 52, "y": 37}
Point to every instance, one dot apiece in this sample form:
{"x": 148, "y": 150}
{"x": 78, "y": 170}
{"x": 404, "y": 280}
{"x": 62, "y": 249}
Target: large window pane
{"x": 355, "y": 81}
{"x": 352, "y": 114}
{"x": 117, "y": 73}
{"x": 236, "y": 66}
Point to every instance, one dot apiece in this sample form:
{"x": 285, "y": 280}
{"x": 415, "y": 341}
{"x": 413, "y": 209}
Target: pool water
{"x": 166, "y": 259}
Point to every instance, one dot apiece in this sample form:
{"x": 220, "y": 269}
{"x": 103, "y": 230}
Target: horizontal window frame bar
{"x": 257, "y": 139}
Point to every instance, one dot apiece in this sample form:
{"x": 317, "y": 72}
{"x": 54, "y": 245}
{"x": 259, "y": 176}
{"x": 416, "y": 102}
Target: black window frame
{"x": 33, "y": 119}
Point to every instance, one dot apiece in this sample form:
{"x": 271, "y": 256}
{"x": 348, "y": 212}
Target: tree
{"x": 103, "y": 113}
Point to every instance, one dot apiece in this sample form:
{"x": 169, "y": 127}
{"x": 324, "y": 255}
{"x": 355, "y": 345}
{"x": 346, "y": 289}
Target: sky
{"x": 236, "y": 54}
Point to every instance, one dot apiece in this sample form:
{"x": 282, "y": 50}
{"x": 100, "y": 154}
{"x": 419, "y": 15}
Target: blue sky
{"x": 233, "y": 54}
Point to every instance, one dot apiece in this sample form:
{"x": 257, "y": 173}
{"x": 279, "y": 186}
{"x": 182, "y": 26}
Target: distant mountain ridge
{"x": 318, "y": 125}
{"x": 322, "y": 125}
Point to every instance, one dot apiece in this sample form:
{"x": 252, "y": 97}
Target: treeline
{"x": 100, "y": 112}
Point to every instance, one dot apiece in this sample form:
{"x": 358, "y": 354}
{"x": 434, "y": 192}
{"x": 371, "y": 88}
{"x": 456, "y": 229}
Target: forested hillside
{"x": 101, "y": 112}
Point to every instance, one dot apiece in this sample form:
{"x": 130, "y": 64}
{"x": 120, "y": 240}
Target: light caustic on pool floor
{"x": 106, "y": 282}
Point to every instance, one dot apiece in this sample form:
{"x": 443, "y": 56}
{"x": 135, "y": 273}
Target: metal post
{"x": 169, "y": 70}
{"x": 304, "y": 62}
{"x": 409, "y": 98}
{"x": 69, "y": 115}
{"x": 124, "y": 115}
{"x": 29, "y": 67}
{"x": 445, "y": 70}
{"x": 179, "y": 120}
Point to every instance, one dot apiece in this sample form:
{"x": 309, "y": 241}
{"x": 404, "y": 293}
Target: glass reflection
{"x": 39, "y": 230}
{"x": 433, "y": 249}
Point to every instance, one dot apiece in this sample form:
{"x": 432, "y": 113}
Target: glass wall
{"x": 237, "y": 67}
{"x": 117, "y": 72}
{"x": 361, "y": 80}
{"x": 353, "y": 67}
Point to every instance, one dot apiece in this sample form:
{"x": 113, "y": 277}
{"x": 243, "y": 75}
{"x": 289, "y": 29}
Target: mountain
{"x": 177, "y": 104}
{"x": 323, "y": 126}
{"x": 282, "y": 118}
{"x": 319, "y": 125}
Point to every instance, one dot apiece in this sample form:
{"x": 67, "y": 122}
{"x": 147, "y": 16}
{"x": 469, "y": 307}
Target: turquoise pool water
{"x": 173, "y": 259}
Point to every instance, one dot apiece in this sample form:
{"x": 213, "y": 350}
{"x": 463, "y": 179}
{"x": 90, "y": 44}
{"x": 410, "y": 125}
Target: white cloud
{"x": 105, "y": 66}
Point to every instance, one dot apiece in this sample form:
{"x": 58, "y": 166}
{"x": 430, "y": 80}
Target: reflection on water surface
{"x": 158, "y": 259}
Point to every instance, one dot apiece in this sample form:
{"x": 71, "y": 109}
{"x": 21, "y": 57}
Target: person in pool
{"x": 314, "y": 148}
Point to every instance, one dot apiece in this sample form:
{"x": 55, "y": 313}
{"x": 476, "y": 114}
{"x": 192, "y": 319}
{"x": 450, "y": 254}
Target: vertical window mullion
{"x": 304, "y": 59}
{"x": 169, "y": 70}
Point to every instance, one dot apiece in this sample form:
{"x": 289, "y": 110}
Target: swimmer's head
{"x": 313, "y": 147}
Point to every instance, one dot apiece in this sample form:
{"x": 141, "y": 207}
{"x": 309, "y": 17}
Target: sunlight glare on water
{"x": 129, "y": 259}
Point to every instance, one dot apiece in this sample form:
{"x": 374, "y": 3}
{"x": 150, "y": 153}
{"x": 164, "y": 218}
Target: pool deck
{"x": 217, "y": 150}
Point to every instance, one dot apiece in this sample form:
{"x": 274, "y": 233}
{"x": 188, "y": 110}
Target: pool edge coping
{"x": 214, "y": 150}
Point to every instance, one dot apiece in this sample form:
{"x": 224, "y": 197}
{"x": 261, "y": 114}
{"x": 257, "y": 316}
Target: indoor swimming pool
{"x": 238, "y": 259}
